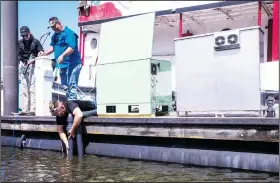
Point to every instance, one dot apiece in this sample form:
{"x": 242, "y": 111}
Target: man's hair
{"x": 55, "y": 19}
{"x": 53, "y": 106}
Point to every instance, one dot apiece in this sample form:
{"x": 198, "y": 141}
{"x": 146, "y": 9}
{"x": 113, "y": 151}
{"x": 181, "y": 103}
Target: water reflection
{"x": 36, "y": 165}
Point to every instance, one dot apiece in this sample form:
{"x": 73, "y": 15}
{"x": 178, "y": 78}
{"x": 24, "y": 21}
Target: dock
{"x": 242, "y": 143}
{"x": 224, "y": 76}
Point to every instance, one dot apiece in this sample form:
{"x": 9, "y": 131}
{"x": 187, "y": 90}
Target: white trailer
{"x": 183, "y": 20}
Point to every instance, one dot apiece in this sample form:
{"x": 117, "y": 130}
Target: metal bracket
{"x": 270, "y": 111}
{"x": 191, "y": 17}
{"x": 224, "y": 12}
{"x": 269, "y": 14}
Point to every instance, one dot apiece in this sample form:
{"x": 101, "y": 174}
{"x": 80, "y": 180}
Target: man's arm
{"x": 78, "y": 117}
{"x": 49, "y": 51}
{"x": 67, "y": 52}
{"x": 60, "y": 122}
{"x": 40, "y": 49}
{"x": 71, "y": 44}
{"x": 62, "y": 135}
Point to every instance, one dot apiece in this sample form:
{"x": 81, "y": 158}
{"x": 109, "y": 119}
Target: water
{"x": 37, "y": 165}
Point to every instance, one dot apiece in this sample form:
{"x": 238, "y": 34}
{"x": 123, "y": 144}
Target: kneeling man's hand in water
{"x": 71, "y": 133}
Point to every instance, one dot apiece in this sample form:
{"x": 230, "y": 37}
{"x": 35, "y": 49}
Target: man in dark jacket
{"x": 28, "y": 48}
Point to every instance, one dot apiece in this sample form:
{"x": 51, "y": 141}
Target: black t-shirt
{"x": 71, "y": 105}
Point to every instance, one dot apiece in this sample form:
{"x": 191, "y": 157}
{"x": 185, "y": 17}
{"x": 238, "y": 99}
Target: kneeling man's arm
{"x": 62, "y": 135}
{"x": 78, "y": 117}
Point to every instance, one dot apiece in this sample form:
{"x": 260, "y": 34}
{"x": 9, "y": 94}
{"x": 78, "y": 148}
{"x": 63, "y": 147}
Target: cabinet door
{"x": 196, "y": 73}
{"x": 127, "y": 39}
{"x": 238, "y": 79}
{"x": 124, "y": 83}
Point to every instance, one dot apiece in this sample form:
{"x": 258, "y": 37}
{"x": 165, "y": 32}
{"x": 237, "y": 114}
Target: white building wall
{"x": 87, "y": 75}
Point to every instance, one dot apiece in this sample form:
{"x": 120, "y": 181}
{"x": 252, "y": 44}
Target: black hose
{"x": 71, "y": 147}
{"x": 70, "y": 140}
{"x": 79, "y": 140}
{"x": 48, "y": 33}
{"x": 80, "y": 145}
{"x": 26, "y": 69}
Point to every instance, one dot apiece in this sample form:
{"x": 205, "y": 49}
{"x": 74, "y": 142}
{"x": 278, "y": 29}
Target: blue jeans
{"x": 69, "y": 80}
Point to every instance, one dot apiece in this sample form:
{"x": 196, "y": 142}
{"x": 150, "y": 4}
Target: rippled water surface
{"x": 37, "y": 165}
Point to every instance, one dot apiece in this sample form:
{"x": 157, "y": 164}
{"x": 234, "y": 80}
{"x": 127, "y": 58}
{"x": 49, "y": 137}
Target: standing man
{"x": 64, "y": 44}
{"x": 28, "y": 48}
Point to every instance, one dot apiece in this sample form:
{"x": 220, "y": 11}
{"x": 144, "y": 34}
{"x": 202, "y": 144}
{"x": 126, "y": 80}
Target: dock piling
{"x": 22, "y": 141}
{"x": 10, "y": 64}
{"x": 79, "y": 139}
{"x": 70, "y": 140}
{"x": 80, "y": 142}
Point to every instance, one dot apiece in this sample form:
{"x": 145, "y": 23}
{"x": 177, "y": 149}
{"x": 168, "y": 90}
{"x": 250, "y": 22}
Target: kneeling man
{"x": 74, "y": 107}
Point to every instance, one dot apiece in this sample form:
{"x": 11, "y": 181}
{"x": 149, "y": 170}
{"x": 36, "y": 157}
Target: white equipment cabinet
{"x": 128, "y": 81}
{"x": 219, "y": 72}
{"x": 43, "y": 83}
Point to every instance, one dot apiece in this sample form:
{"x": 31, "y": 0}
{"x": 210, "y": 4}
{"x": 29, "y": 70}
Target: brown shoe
{"x": 30, "y": 114}
{"x": 21, "y": 113}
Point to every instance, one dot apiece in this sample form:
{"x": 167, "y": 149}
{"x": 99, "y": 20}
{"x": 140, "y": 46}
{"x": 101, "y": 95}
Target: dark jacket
{"x": 26, "y": 48}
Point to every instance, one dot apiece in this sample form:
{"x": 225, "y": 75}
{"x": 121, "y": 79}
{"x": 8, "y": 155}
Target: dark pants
{"x": 91, "y": 112}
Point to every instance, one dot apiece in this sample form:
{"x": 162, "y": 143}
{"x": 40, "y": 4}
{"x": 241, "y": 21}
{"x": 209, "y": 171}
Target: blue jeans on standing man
{"x": 69, "y": 80}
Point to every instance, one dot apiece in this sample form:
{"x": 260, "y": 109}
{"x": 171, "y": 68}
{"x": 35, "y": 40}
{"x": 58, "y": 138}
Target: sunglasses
{"x": 53, "y": 26}
{"x": 54, "y": 110}
{"x": 24, "y": 36}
